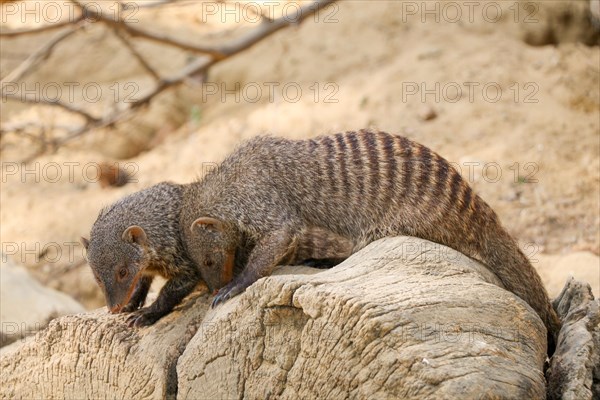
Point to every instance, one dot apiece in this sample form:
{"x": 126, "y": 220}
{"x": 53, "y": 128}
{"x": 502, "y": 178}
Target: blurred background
{"x": 101, "y": 99}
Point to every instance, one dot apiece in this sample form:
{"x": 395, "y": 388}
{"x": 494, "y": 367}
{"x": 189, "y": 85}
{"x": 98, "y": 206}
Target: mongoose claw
{"x": 130, "y": 307}
{"x": 220, "y": 297}
{"x": 141, "y": 318}
{"x": 226, "y": 293}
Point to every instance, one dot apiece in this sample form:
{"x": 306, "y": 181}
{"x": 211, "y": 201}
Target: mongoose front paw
{"x": 226, "y": 292}
{"x": 142, "y": 317}
{"x": 132, "y": 306}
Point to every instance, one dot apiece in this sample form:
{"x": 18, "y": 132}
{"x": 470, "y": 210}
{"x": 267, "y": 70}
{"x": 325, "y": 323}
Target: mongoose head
{"x": 211, "y": 246}
{"x": 117, "y": 261}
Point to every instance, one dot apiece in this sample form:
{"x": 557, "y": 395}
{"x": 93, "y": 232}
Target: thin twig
{"x": 57, "y": 103}
{"x": 143, "y": 62}
{"x": 191, "y": 69}
{"x": 153, "y": 4}
{"x": 45, "y": 28}
{"x": 24, "y": 126}
{"x": 239, "y": 6}
{"x": 39, "y": 55}
{"x": 210, "y": 57}
{"x": 268, "y": 28}
{"x": 118, "y": 23}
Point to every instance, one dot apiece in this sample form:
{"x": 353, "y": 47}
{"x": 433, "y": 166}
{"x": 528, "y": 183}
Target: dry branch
{"x": 36, "y": 100}
{"x": 40, "y": 54}
{"x": 210, "y": 55}
{"x": 143, "y": 62}
{"x": 49, "y": 27}
{"x": 158, "y": 3}
{"x": 239, "y": 6}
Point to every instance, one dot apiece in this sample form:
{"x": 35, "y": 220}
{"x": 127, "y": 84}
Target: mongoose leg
{"x": 321, "y": 263}
{"x": 170, "y": 295}
{"x": 265, "y": 256}
{"x": 139, "y": 294}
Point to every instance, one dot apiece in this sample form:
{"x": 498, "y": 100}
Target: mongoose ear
{"x": 85, "y": 242}
{"x": 134, "y": 234}
{"x": 212, "y": 224}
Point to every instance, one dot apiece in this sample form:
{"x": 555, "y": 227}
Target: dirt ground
{"x": 513, "y": 100}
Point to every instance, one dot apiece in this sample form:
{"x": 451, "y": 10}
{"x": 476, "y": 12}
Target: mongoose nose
{"x": 115, "y": 309}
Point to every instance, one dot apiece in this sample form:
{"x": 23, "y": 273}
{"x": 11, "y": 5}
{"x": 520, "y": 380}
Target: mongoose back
{"x": 140, "y": 236}
{"x": 361, "y": 185}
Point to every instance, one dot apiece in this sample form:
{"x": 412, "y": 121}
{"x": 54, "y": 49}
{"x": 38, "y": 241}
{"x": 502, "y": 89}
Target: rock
{"x": 574, "y": 371}
{"x": 111, "y": 174}
{"x": 27, "y": 306}
{"x": 403, "y": 318}
{"x": 96, "y": 355}
{"x": 427, "y": 113}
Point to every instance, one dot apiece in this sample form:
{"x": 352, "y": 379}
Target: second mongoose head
{"x": 212, "y": 244}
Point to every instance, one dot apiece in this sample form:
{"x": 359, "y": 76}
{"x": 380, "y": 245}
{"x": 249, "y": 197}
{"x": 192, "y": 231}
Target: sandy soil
{"x": 532, "y": 153}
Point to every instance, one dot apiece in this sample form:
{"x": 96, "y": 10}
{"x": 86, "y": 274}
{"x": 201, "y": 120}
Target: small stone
{"x": 427, "y": 113}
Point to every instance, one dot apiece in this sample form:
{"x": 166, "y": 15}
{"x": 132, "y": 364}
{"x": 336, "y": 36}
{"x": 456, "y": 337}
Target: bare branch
{"x": 156, "y": 37}
{"x": 143, "y": 62}
{"x": 268, "y": 28}
{"x": 191, "y": 69}
{"x": 153, "y": 4}
{"x": 137, "y": 32}
{"x": 238, "y": 5}
{"x": 218, "y": 52}
{"x": 98, "y": 124}
{"x": 46, "y": 28}
{"x": 39, "y": 55}
{"x": 57, "y": 103}
{"x": 210, "y": 57}
{"x": 23, "y": 127}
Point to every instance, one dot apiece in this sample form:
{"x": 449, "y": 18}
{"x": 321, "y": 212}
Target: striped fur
{"x": 360, "y": 185}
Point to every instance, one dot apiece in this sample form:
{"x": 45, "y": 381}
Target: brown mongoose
{"x": 360, "y": 185}
{"x": 140, "y": 236}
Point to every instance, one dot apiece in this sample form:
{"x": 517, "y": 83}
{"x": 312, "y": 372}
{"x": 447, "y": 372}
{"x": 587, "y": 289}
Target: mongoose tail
{"x": 503, "y": 256}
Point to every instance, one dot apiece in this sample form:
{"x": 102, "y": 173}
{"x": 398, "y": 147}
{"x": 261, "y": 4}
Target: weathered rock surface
{"x": 96, "y": 355}
{"x": 575, "y": 368}
{"x": 26, "y": 305}
{"x": 404, "y": 318}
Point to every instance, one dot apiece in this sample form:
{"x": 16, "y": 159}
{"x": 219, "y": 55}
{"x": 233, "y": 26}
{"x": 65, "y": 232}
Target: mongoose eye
{"x": 122, "y": 272}
{"x": 208, "y": 263}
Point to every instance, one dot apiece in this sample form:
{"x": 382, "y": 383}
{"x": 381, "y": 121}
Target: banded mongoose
{"x": 361, "y": 185}
{"x": 140, "y": 236}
